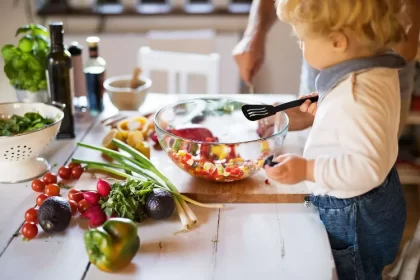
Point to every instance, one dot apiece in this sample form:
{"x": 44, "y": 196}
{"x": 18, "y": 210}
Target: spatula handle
{"x": 295, "y": 103}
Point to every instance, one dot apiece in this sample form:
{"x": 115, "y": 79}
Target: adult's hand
{"x": 249, "y": 54}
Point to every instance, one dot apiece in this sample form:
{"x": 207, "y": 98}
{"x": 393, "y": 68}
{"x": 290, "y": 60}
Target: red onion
{"x": 92, "y": 198}
{"x": 103, "y": 187}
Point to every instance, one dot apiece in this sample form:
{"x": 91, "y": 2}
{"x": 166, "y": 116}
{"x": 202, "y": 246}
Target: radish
{"x": 103, "y": 187}
{"x": 92, "y": 198}
{"x": 96, "y": 216}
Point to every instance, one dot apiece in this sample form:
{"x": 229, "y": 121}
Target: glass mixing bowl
{"x": 210, "y": 138}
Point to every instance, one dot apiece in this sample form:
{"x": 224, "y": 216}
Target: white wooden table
{"x": 241, "y": 241}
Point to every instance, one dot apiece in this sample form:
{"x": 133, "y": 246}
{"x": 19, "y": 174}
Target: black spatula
{"x": 258, "y": 112}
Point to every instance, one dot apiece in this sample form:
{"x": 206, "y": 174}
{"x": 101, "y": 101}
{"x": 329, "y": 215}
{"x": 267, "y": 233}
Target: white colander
{"x": 19, "y": 161}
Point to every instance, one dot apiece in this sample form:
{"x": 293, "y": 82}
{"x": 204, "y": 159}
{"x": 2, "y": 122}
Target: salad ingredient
{"x": 73, "y": 165}
{"x": 103, "y": 187}
{"x": 21, "y": 124}
{"x": 96, "y": 216}
{"x": 64, "y": 172}
{"x": 73, "y": 206}
{"x": 52, "y": 190}
{"x": 135, "y": 124}
{"x": 134, "y": 138}
{"x": 75, "y": 195}
{"x": 193, "y": 133}
{"x": 92, "y": 198}
{"x": 50, "y": 178}
{"x": 54, "y": 214}
{"x": 29, "y": 230}
{"x": 144, "y": 148}
{"x": 83, "y": 205}
{"x": 107, "y": 140}
{"x": 144, "y": 171}
{"x": 31, "y": 215}
{"x": 113, "y": 245}
{"x": 159, "y": 204}
{"x": 38, "y": 185}
{"x": 40, "y": 199}
{"x": 76, "y": 172}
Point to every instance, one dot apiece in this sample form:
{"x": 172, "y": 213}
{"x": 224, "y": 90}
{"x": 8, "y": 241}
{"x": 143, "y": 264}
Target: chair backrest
{"x": 182, "y": 64}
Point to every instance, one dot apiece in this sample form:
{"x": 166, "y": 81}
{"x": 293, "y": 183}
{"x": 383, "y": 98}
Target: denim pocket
{"x": 345, "y": 263}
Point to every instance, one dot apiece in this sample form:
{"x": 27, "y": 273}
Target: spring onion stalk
{"x": 137, "y": 166}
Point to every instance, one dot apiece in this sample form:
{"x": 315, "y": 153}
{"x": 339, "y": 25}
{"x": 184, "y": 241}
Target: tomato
{"x": 75, "y": 194}
{"x": 52, "y": 190}
{"x": 82, "y": 206}
{"x": 73, "y": 205}
{"x": 64, "y": 172}
{"x": 31, "y": 215}
{"x": 29, "y": 230}
{"x": 50, "y": 178}
{"x": 73, "y": 165}
{"x": 38, "y": 185}
{"x": 76, "y": 172}
{"x": 40, "y": 199}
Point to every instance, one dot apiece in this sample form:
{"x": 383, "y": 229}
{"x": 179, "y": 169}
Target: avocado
{"x": 54, "y": 214}
{"x": 159, "y": 204}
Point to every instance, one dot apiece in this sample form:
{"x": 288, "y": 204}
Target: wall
{"x": 122, "y": 38}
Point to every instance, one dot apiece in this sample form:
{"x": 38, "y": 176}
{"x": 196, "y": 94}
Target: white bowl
{"x": 19, "y": 153}
{"x": 122, "y": 96}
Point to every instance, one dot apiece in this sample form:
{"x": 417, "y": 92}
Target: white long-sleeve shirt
{"x": 354, "y": 138}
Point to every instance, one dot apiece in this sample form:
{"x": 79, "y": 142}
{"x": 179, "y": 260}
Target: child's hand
{"x": 308, "y": 106}
{"x": 291, "y": 169}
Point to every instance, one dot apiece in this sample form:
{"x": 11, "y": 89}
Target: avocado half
{"x": 54, "y": 214}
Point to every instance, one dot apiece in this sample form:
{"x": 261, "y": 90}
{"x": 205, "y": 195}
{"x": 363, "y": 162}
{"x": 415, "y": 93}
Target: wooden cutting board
{"x": 251, "y": 190}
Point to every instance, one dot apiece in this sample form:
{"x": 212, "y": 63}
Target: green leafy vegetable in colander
{"x": 20, "y": 124}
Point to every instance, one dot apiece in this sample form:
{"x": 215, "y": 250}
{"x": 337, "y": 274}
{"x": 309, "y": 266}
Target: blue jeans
{"x": 365, "y": 231}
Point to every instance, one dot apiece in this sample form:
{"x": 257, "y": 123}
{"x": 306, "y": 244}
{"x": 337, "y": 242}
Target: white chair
{"x": 183, "y": 64}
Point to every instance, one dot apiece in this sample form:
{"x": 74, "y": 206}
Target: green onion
{"x": 134, "y": 165}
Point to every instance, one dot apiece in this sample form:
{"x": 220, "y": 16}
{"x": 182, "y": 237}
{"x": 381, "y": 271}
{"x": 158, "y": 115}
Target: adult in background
{"x": 249, "y": 54}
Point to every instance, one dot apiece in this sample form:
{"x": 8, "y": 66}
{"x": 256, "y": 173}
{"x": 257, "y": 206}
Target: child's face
{"x": 319, "y": 51}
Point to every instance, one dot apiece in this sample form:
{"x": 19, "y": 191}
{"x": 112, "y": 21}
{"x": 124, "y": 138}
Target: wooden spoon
{"x": 134, "y": 83}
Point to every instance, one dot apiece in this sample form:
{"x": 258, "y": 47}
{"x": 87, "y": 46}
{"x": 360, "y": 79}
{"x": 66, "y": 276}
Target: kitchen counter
{"x": 240, "y": 241}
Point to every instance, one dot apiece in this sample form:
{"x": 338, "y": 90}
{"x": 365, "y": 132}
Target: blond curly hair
{"x": 373, "y": 23}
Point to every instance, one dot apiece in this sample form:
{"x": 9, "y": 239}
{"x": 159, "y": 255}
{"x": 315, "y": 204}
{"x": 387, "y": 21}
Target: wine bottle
{"x": 59, "y": 74}
{"x": 95, "y": 76}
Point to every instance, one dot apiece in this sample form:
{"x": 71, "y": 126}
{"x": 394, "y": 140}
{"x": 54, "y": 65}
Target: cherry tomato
{"x": 73, "y": 205}
{"x": 76, "y": 172}
{"x": 50, "y": 178}
{"x": 31, "y": 215}
{"x": 73, "y": 165}
{"x": 29, "y": 230}
{"x": 64, "y": 172}
{"x": 75, "y": 194}
{"x": 52, "y": 190}
{"x": 82, "y": 206}
{"x": 40, "y": 199}
{"x": 38, "y": 185}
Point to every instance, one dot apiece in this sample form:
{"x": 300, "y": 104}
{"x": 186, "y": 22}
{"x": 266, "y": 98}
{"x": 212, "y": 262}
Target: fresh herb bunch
{"x": 127, "y": 199}
{"x": 25, "y": 63}
{"x": 20, "y": 124}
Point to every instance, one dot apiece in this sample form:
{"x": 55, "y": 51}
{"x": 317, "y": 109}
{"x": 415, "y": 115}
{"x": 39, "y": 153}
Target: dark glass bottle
{"x": 59, "y": 74}
{"x": 94, "y": 70}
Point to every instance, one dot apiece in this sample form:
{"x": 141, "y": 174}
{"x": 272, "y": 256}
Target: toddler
{"x": 349, "y": 157}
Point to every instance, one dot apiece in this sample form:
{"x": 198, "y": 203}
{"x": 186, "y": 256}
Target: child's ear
{"x": 339, "y": 41}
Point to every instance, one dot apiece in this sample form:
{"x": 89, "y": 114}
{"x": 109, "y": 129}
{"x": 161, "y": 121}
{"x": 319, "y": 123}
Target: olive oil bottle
{"x": 60, "y": 79}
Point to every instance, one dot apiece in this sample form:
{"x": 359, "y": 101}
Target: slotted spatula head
{"x": 257, "y": 112}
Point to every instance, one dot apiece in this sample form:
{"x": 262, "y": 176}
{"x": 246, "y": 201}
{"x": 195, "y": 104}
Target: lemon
{"x": 107, "y": 140}
{"x": 122, "y": 135}
{"x": 134, "y": 137}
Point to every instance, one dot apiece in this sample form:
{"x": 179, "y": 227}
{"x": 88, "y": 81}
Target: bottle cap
{"x": 75, "y": 49}
{"x": 92, "y": 41}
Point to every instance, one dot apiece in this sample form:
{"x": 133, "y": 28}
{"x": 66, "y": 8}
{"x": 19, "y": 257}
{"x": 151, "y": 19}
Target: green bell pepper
{"x": 113, "y": 245}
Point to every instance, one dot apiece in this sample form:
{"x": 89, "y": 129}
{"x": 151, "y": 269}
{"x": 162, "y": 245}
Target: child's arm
{"x": 368, "y": 137}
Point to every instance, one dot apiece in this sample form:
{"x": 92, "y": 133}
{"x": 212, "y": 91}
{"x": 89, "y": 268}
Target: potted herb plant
{"x": 25, "y": 64}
